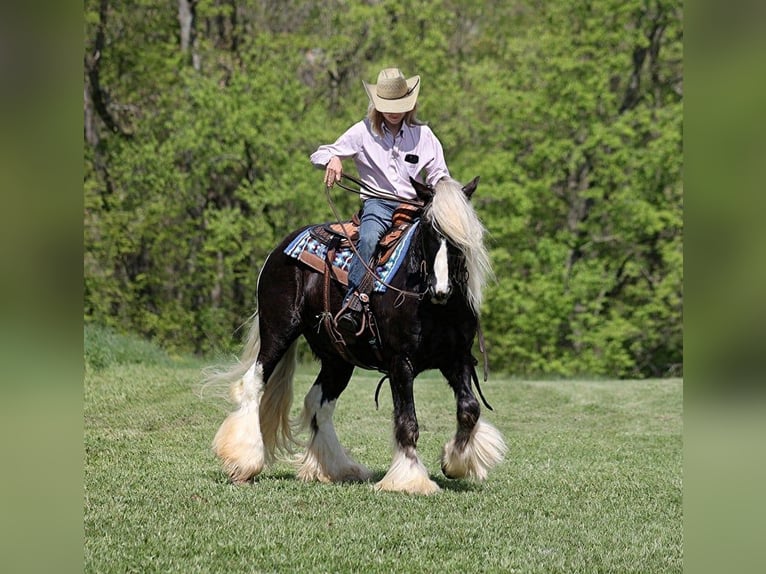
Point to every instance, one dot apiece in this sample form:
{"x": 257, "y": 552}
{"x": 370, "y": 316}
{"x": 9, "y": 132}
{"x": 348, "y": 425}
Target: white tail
{"x": 251, "y": 436}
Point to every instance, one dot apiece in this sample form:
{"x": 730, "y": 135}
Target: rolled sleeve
{"x": 346, "y": 146}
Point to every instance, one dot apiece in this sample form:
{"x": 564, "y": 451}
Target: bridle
{"x": 458, "y": 270}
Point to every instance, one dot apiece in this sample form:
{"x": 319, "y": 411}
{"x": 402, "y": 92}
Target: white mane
{"x": 453, "y": 215}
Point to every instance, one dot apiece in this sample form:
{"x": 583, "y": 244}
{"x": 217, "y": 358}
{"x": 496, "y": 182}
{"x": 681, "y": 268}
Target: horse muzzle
{"x": 441, "y": 295}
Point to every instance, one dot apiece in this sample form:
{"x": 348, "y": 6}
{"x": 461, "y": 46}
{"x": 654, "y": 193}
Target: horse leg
{"x": 407, "y": 473}
{"x": 325, "y": 459}
{"x": 477, "y": 445}
{"x": 249, "y": 437}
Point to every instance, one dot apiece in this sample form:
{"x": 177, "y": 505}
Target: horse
{"x": 427, "y": 319}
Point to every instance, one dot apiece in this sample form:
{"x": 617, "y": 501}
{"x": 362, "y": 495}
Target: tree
{"x": 593, "y": 283}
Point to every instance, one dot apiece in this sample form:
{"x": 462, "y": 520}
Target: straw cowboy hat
{"x": 393, "y": 94}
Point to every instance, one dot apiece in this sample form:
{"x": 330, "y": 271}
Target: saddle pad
{"x": 307, "y": 249}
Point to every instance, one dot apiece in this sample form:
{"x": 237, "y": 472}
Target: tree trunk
{"x": 187, "y": 16}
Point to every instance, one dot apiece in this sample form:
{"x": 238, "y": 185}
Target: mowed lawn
{"x": 592, "y": 482}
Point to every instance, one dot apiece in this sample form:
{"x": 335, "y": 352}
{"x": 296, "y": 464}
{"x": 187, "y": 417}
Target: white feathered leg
{"x": 407, "y": 474}
{"x": 484, "y": 449}
{"x": 238, "y": 442}
{"x": 325, "y": 459}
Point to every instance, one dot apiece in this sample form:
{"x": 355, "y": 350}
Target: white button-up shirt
{"x": 388, "y": 162}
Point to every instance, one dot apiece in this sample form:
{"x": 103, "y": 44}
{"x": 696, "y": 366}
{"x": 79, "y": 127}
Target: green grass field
{"x": 592, "y": 481}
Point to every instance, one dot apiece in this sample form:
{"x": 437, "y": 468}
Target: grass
{"x": 592, "y": 482}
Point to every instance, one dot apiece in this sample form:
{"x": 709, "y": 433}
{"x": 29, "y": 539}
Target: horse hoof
{"x": 447, "y": 474}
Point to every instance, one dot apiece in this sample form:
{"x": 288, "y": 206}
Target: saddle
{"x": 330, "y": 250}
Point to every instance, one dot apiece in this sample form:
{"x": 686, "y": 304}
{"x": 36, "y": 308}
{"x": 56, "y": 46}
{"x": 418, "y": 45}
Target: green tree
{"x": 593, "y": 249}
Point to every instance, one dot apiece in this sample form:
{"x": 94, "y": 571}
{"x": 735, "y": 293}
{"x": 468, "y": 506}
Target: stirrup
{"x": 351, "y": 317}
{"x": 348, "y": 323}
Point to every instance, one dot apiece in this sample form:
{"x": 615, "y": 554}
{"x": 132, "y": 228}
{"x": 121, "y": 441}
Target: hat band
{"x": 407, "y": 93}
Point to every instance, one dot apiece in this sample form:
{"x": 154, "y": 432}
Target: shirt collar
{"x": 387, "y": 131}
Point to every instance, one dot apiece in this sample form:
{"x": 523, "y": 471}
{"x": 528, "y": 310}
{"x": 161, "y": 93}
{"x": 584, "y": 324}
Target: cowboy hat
{"x": 393, "y": 94}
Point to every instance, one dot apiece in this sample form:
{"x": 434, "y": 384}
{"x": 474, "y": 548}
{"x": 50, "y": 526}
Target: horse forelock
{"x": 452, "y": 214}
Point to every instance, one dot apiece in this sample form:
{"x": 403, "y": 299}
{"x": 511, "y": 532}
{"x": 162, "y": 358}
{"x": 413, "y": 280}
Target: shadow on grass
{"x": 456, "y": 485}
{"x": 217, "y": 477}
{"x": 277, "y": 475}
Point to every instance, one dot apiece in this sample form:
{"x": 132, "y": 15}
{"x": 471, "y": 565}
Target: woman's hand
{"x": 333, "y": 171}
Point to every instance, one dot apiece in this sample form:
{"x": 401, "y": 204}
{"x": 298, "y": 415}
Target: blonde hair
{"x": 376, "y": 119}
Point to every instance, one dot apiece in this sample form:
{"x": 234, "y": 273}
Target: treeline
{"x": 200, "y": 116}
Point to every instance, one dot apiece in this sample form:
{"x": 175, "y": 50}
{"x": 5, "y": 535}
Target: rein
{"x": 385, "y": 195}
{"x": 377, "y": 193}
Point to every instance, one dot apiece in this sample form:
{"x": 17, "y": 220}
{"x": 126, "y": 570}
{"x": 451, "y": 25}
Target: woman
{"x": 388, "y": 147}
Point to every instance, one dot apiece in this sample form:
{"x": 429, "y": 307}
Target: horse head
{"x": 450, "y": 237}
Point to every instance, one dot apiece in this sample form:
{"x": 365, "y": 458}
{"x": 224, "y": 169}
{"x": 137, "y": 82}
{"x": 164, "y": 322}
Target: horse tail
{"x": 276, "y": 425}
{"x": 220, "y": 382}
{"x": 249, "y": 438}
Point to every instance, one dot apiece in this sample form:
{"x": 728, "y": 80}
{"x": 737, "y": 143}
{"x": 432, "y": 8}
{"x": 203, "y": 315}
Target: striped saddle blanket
{"x": 315, "y": 245}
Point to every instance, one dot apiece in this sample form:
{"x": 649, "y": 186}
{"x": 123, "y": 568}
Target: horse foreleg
{"x": 477, "y": 445}
{"x": 407, "y": 473}
{"x": 325, "y": 459}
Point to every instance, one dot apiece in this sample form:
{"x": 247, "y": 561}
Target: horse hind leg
{"x": 477, "y": 445}
{"x": 249, "y": 437}
{"x": 238, "y": 443}
{"x": 325, "y": 459}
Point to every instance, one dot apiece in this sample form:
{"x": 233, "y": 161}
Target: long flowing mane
{"x": 452, "y": 214}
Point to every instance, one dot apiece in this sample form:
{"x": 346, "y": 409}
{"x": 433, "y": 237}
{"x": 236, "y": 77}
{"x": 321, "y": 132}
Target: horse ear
{"x": 425, "y": 192}
{"x": 470, "y": 187}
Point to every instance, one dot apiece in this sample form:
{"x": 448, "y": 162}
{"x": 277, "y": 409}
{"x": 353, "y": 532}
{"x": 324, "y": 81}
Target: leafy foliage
{"x": 197, "y": 148}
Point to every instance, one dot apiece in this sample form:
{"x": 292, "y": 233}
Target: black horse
{"x": 427, "y": 319}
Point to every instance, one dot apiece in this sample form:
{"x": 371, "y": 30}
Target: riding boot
{"x": 350, "y": 317}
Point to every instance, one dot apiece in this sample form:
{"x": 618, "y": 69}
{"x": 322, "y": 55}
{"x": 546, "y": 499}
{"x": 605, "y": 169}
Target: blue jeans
{"x": 377, "y": 215}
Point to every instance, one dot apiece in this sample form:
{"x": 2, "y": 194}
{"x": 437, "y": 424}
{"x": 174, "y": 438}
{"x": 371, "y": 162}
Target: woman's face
{"x": 393, "y": 119}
